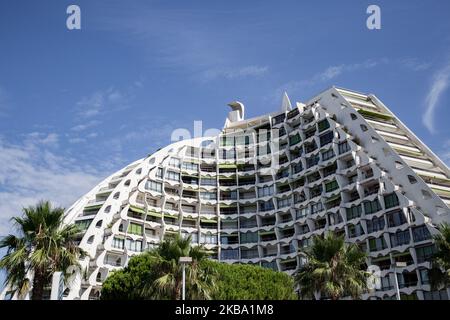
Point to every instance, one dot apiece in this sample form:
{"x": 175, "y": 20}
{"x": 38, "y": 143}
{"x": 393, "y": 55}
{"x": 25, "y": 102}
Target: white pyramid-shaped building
{"x": 259, "y": 191}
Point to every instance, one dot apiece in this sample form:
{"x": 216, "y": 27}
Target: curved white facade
{"x": 260, "y": 191}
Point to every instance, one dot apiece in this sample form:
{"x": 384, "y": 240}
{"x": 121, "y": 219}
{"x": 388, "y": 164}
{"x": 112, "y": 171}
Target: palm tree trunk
{"x": 38, "y": 285}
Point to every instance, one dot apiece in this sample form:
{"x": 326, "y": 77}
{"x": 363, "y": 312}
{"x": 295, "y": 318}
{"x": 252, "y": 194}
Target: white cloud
{"x": 234, "y": 73}
{"x": 39, "y": 138}
{"x": 84, "y": 126}
{"x": 438, "y": 87}
{"x": 324, "y": 76}
{"x": 100, "y": 102}
{"x": 30, "y": 171}
{"x": 414, "y": 64}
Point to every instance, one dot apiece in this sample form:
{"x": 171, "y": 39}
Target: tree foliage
{"x": 334, "y": 269}
{"x": 157, "y": 274}
{"x": 154, "y": 275}
{"x": 44, "y": 245}
{"x": 249, "y": 282}
{"x": 440, "y": 271}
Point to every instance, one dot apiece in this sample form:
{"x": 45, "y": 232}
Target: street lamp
{"x": 399, "y": 265}
{"x": 184, "y": 261}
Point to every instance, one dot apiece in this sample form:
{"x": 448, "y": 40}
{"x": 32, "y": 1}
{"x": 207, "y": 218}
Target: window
{"x": 118, "y": 243}
{"x": 281, "y": 203}
{"x": 411, "y": 179}
{"x": 294, "y": 139}
{"x": 316, "y": 191}
{"x": 372, "y": 206}
{"x": 270, "y": 265}
{"x": 376, "y": 224}
{"x": 425, "y": 253}
{"x": 190, "y": 166}
{"x": 353, "y": 116}
{"x": 435, "y": 295}
{"x": 266, "y": 206}
{"x": 343, "y": 147}
{"x": 376, "y": 244}
{"x": 297, "y": 167}
{"x": 312, "y": 161}
{"x": 421, "y": 233}
{"x": 208, "y": 181}
{"x": 323, "y": 125}
{"x": 208, "y": 195}
{"x": 386, "y": 283}
{"x": 229, "y": 254}
{"x": 133, "y": 245}
{"x": 245, "y": 140}
{"x": 424, "y": 276}
{"x": 174, "y": 176}
{"x": 174, "y": 162}
{"x": 316, "y": 207}
{"x": 353, "y": 212}
{"x": 334, "y": 218}
{"x": 400, "y": 238}
{"x": 363, "y": 127}
{"x": 249, "y": 253}
{"x": 326, "y": 138}
{"x": 302, "y": 229}
{"x": 330, "y": 170}
{"x": 265, "y": 191}
{"x": 390, "y": 201}
{"x": 208, "y": 238}
{"x": 355, "y": 231}
{"x": 159, "y": 172}
{"x": 310, "y": 147}
{"x": 396, "y": 218}
{"x": 300, "y": 213}
{"x": 154, "y": 186}
{"x": 249, "y": 237}
{"x": 135, "y": 228}
{"x": 299, "y": 197}
{"x": 331, "y": 186}
{"x": 227, "y": 141}
{"x": 247, "y": 223}
{"x": 278, "y": 119}
{"x": 327, "y": 154}
{"x": 83, "y": 225}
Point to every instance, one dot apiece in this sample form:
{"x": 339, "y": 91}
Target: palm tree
{"x": 166, "y": 282}
{"x": 333, "y": 269}
{"x": 440, "y": 271}
{"x": 43, "y": 246}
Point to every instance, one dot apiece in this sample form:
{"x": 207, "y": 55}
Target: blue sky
{"x": 77, "y": 105}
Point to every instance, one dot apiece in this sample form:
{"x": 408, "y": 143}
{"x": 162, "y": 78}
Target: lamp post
{"x": 399, "y": 265}
{"x": 184, "y": 261}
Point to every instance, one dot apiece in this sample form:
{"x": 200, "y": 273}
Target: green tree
{"x": 128, "y": 283}
{"x": 139, "y": 280}
{"x": 168, "y": 271}
{"x": 334, "y": 269}
{"x": 440, "y": 271}
{"x": 42, "y": 246}
{"x": 157, "y": 274}
{"x": 249, "y": 282}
